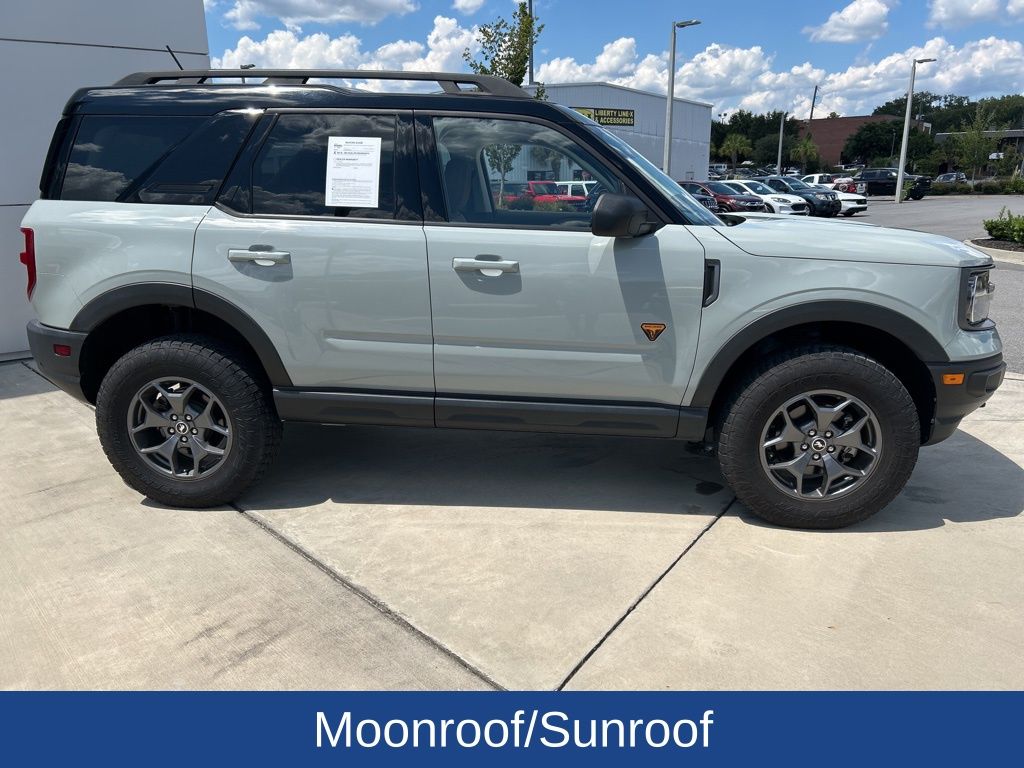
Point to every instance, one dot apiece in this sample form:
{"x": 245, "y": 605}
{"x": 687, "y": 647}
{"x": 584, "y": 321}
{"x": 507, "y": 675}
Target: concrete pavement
{"x": 406, "y": 559}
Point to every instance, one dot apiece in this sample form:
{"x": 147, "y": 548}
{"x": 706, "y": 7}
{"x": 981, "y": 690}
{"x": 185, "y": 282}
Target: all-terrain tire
{"x": 788, "y": 375}
{"x": 244, "y": 403}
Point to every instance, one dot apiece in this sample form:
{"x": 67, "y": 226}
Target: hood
{"x": 813, "y": 238}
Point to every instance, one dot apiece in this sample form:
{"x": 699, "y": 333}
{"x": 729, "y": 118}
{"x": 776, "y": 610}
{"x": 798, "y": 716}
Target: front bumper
{"x": 981, "y": 378}
{"x": 824, "y": 207}
{"x": 61, "y": 370}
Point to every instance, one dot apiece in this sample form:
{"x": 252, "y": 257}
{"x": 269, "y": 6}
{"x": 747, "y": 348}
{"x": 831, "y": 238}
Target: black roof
{"x": 204, "y": 92}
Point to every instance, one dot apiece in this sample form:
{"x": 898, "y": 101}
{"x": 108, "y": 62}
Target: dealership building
{"x": 48, "y": 50}
{"x": 638, "y": 117}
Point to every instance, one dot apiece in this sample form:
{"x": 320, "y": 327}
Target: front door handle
{"x": 262, "y": 255}
{"x": 489, "y": 267}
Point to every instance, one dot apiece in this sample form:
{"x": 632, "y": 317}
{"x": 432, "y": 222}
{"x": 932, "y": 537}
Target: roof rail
{"x": 450, "y": 82}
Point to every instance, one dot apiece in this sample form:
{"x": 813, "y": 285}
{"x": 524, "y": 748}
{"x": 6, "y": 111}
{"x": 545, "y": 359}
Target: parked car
{"x": 951, "y": 178}
{"x": 535, "y": 191}
{"x": 882, "y": 181}
{"x": 196, "y": 279}
{"x": 707, "y": 201}
{"x": 837, "y": 183}
{"x": 728, "y": 199}
{"x": 774, "y": 202}
{"x": 851, "y": 203}
{"x": 574, "y": 189}
{"x": 822, "y": 203}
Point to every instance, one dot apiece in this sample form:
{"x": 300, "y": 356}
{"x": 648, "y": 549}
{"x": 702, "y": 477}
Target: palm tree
{"x": 804, "y": 151}
{"x": 735, "y": 145}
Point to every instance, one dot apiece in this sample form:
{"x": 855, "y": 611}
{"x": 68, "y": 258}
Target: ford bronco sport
{"x": 210, "y": 258}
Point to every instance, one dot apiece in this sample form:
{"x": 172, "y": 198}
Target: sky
{"x": 758, "y": 55}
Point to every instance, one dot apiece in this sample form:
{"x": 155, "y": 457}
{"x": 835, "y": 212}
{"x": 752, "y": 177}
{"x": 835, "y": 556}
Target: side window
{"x": 777, "y": 185}
{"x": 485, "y": 164}
{"x": 290, "y": 175}
{"x": 112, "y": 154}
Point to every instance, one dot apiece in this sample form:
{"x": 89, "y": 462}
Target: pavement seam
{"x": 369, "y": 598}
{"x": 636, "y": 603}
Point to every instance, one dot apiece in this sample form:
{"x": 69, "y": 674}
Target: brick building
{"x": 831, "y": 133}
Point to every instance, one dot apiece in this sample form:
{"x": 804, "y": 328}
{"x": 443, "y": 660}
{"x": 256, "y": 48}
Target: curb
{"x": 1013, "y": 257}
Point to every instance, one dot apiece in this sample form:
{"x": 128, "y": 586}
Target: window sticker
{"x": 353, "y": 171}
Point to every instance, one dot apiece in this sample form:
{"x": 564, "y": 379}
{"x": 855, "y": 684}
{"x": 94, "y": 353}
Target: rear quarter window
{"x": 153, "y": 159}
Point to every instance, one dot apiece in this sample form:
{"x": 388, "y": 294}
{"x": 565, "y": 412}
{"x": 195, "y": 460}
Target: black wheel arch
{"x": 139, "y": 312}
{"x": 896, "y": 341}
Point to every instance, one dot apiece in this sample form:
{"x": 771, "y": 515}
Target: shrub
{"x": 988, "y": 188}
{"x": 957, "y": 188}
{"x": 1014, "y": 186}
{"x": 523, "y": 203}
{"x": 1006, "y": 227}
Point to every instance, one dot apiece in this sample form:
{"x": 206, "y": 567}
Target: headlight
{"x": 779, "y": 200}
{"x": 823, "y": 196}
{"x": 976, "y": 298}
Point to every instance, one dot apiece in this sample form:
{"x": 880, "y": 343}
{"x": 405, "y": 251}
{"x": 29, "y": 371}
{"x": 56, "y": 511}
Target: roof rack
{"x": 450, "y": 82}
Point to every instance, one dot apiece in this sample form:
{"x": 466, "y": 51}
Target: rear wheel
{"x": 186, "y": 421}
{"x": 821, "y": 437}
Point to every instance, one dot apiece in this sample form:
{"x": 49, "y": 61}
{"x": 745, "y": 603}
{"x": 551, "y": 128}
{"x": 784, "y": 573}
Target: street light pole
{"x": 782, "y": 128}
{"x": 670, "y": 94}
{"x": 906, "y": 129}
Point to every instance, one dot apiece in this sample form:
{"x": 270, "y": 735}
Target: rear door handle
{"x": 259, "y": 254}
{"x": 487, "y": 266}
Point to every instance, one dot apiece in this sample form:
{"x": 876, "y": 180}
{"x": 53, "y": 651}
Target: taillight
{"x": 28, "y": 258}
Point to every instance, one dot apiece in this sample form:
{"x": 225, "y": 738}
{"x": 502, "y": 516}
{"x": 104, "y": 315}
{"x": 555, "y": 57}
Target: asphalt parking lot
{"x": 374, "y": 558}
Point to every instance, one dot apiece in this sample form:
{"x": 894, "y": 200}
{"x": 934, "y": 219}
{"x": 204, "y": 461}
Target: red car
{"x": 728, "y": 199}
{"x": 537, "y": 191}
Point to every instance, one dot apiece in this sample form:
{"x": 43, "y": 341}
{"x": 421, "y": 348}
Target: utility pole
{"x": 814, "y": 98}
{"x": 782, "y": 128}
{"x": 529, "y": 9}
{"x": 906, "y": 129}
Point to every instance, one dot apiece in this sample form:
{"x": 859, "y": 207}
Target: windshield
{"x": 761, "y": 189}
{"x": 544, "y": 189}
{"x": 694, "y": 212}
{"x": 722, "y": 189}
{"x": 796, "y": 184}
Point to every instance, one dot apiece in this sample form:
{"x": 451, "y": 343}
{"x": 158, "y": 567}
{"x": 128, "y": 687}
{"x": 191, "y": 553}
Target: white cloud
{"x": 959, "y": 13}
{"x": 244, "y": 14}
{"x": 860, "y": 20}
{"x": 733, "y": 78}
{"x": 285, "y": 48}
{"x": 467, "y": 6}
{"x": 1015, "y": 8}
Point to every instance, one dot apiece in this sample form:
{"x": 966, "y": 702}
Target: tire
{"x": 807, "y": 381}
{"x": 848, "y": 213}
{"x": 141, "y": 412}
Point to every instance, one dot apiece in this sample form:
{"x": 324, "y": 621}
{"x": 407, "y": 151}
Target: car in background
{"x": 774, "y": 202}
{"x": 728, "y": 199}
{"x": 707, "y": 201}
{"x": 851, "y": 202}
{"x": 951, "y": 178}
{"x": 574, "y": 188}
{"x": 882, "y": 181}
{"x": 823, "y": 203}
{"x": 535, "y": 191}
{"x": 835, "y": 182}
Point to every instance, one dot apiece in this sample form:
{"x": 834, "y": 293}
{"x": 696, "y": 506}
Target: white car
{"x": 575, "y": 188}
{"x": 852, "y": 203}
{"x": 836, "y": 183}
{"x": 774, "y": 202}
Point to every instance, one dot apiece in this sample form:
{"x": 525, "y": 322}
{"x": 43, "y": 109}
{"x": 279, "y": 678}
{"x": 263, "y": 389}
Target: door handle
{"x": 484, "y": 265}
{"x": 259, "y": 254}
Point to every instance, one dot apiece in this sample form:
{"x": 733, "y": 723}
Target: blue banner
{"x": 536, "y": 729}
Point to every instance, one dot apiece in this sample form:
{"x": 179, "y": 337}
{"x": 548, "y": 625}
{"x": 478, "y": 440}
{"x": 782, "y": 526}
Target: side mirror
{"x": 619, "y": 216}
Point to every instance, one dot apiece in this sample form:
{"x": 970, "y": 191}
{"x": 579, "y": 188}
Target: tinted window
{"x": 721, "y": 189}
{"x": 484, "y": 163}
{"x": 112, "y": 154}
{"x": 193, "y": 172}
{"x": 289, "y": 176}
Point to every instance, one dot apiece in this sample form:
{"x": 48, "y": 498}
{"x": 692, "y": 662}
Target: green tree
{"x": 735, "y": 146}
{"x": 804, "y": 152}
{"x": 974, "y": 144}
{"x": 882, "y": 139}
{"x": 505, "y": 52}
{"x": 766, "y": 149}
{"x": 547, "y": 157}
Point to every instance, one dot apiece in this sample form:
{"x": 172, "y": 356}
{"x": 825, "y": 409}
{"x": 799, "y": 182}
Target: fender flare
{"x": 925, "y": 346}
{"x": 116, "y": 300}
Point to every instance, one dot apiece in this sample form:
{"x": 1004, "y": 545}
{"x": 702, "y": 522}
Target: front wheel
{"x": 187, "y": 421}
{"x": 821, "y": 437}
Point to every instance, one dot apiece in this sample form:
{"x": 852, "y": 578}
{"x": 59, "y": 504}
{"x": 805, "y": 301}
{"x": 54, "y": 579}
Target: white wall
{"x": 50, "y": 48}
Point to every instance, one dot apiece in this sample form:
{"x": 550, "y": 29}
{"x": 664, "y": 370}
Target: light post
{"x": 670, "y": 96}
{"x": 906, "y": 129}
